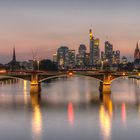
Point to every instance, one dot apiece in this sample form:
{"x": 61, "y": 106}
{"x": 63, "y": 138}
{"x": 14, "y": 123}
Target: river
{"x": 70, "y": 109}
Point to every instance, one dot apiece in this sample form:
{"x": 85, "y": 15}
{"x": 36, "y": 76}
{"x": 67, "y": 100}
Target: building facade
{"x": 108, "y": 53}
{"x": 71, "y": 59}
{"x": 63, "y": 57}
{"x": 96, "y": 52}
{"x": 91, "y": 47}
{"x": 80, "y": 57}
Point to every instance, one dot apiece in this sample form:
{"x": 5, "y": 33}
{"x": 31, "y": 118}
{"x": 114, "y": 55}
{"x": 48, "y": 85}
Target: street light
{"x": 102, "y": 64}
{"x": 38, "y": 64}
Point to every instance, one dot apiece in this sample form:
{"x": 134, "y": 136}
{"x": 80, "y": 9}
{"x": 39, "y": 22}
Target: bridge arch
{"x": 125, "y": 76}
{"x": 65, "y": 75}
{"x": 13, "y": 77}
{"x": 52, "y": 77}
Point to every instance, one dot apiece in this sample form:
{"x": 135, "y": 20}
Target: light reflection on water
{"x": 70, "y": 113}
{"x": 105, "y": 123}
{"x": 36, "y": 117}
{"x": 70, "y": 109}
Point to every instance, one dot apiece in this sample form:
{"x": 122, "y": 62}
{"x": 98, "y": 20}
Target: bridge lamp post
{"x": 102, "y": 64}
{"x": 38, "y": 64}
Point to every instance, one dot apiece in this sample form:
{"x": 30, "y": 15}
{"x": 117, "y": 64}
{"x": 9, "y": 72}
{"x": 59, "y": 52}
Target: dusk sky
{"x": 45, "y": 25}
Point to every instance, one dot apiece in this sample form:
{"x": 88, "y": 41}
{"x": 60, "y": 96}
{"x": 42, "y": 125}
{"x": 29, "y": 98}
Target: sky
{"x": 44, "y": 25}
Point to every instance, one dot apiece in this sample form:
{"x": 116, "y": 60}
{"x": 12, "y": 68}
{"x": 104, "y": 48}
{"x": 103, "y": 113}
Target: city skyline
{"x": 46, "y": 25}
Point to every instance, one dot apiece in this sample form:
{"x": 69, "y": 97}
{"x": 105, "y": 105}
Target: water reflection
{"x": 70, "y": 109}
{"x": 8, "y": 81}
{"x": 36, "y": 116}
{"x": 123, "y": 113}
{"x": 105, "y": 122}
{"x": 105, "y": 116}
{"x": 25, "y": 83}
{"x": 71, "y": 113}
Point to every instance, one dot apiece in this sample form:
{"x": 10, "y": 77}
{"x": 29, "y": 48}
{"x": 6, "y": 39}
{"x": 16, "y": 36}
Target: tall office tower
{"x": 96, "y": 52}
{"x": 108, "y": 52}
{"x": 82, "y": 49}
{"x": 118, "y": 56}
{"x": 113, "y": 57}
{"x": 137, "y": 53}
{"x": 91, "y": 47}
{"x": 63, "y": 57}
{"x": 103, "y": 57}
{"x": 71, "y": 59}
{"x": 87, "y": 59}
{"x": 81, "y": 55}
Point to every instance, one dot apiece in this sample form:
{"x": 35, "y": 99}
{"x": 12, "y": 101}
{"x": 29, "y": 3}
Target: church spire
{"x": 14, "y": 55}
{"x": 137, "y": 52}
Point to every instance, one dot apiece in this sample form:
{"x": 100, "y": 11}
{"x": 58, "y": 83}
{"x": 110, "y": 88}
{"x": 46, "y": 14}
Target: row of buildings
{"x": 67, "y": 58}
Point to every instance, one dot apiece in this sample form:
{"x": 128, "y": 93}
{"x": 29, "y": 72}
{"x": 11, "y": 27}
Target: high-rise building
{"x": 71, "y": 59}
{"x": 79, "y": 62}
{"x": 96, "y": 52}
{"x": 103, "y": 56}
{"x": 108, "y": 52}
{"x": 137, "y": 53}
{"x": 113, "y": 57}
{"x": 118, "y": 56}
{"x": 82, "y": 49}
{"x": 87, "y": 59}
{"x": 81, "y": 55}
{"x": 63, "y": 57}
{"x": 91, "y": 47}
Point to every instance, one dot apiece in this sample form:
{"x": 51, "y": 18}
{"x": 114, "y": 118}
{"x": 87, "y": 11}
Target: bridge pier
{"x": 104, "y": 88}
{"x": 106, "y": 84}
{"x": 35, "y": 86}
{"x": 35, "y": 99}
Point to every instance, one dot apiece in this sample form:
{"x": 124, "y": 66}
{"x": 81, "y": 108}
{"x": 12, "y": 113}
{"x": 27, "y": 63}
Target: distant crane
{"x": 34, "y": 54}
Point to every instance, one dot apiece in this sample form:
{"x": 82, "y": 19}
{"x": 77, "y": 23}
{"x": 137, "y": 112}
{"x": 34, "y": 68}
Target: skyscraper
{"x": 63, "y": 57}
{"x": 81, "y": 55}
{"x": 108, "y": 52}
{"x": 96, "y": 52}
{"x": 82, "y": 49}
{"x": 91, "y": 47}
{"x": 118, "y": 56}
{"x": 71, "y": 59}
